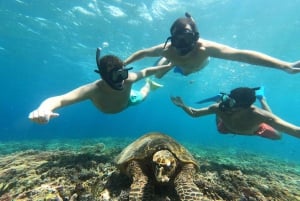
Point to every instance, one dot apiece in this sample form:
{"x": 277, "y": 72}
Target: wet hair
{"x": 180, "y": 23}
{"x": 109, "y": 62}
{"x": 244, "y": 97}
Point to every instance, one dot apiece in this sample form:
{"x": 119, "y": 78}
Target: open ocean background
{"x": 47, "y": 47}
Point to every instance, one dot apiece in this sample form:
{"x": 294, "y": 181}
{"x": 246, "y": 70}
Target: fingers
{"x": 295, "y": 68}
{"x": 53, "y": 115}
{"x": 176, "y": 100}
{"x": 173, "y": 98}
{"x": 296, "y": 64}
{"x": 41, "y": 116}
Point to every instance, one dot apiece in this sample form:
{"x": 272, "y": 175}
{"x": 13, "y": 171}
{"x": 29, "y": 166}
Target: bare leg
{"x": 260, "y": 95}
{"x": 184, "y": 185}
{"x": 149, "y": 86}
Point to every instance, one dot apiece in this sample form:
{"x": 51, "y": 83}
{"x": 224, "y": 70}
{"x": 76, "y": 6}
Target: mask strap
{"x": 196, "y": 36}
{"x": 169, "y": 38}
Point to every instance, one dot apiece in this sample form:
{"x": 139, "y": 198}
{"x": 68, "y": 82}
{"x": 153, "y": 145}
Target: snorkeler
{"x": 189, "y": 53}
{"x": 111, "y": 94}
{"x": 236, "y": 114}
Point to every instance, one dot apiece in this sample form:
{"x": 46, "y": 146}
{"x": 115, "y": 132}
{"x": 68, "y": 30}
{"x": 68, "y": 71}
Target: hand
{"x": 296, "y": 64}
{"x": 42, "y": 116}
{"x": 295, "y": 68}
{"x": 177, "y": 101}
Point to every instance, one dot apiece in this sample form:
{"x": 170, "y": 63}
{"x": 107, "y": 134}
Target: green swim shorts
{"x": 135, "y": 98}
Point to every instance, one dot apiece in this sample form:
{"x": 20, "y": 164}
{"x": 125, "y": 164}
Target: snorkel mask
{"x": 242, "y": 97}
{"x": 116, "y": 76}
{"x": 184, "y": 40}
{"x": 227, "y": 102}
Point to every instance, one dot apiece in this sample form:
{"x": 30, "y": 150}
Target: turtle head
{"x": 164, "y": 165}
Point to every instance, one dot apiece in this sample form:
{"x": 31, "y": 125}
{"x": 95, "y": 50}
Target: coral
{"x": 84, "y": 172}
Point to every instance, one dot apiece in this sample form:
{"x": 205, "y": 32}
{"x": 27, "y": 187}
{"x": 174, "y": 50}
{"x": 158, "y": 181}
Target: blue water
{"x": 48, "y": 48}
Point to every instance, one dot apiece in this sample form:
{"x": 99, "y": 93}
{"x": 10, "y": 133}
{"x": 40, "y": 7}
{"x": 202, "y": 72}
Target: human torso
{"x": 109, "y": 100}
{"x": 192, "y": 62}
{"x": 244, "y": 121}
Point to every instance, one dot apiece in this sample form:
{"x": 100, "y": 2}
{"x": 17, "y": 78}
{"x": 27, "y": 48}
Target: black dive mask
{"x": 227, "y": 102}
{"x": 115, "y": 76}
{"x": 243, "y": 98}
{"x": 184, "y": 41}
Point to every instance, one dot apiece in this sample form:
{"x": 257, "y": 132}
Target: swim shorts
{"x": 264, "y": 130}
{"x": 267, "y": 131}
{"x": 177, "y": 69}
{"x": 135, "y": 98}
{"x": 221, "y": 127}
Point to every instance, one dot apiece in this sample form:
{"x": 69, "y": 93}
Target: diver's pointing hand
{"x": 42, "y": 116}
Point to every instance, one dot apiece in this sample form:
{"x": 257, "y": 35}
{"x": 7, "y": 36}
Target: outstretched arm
{"x": 193, "y": 112}
{"x": 155, "y": 51}
{"x": 146, "y": 72}
{"x": 248, "y": 56}
{"x": 280, "y": 124}
{"x": 264, "y": 104}
{"x": 45, "y": 111}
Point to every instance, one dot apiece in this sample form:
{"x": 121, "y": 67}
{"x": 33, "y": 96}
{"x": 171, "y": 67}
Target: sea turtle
{"x": 158, "y": 158}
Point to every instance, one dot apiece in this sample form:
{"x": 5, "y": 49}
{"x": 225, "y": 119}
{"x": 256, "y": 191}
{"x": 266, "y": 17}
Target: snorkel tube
{"x": 259, "y": 91}
{"x": 98, "y": 52}
{"x": 241, "y": 97}
{"x": 104, "y": 75}
{"x": 114, "y": 77}
{"x": 182, "y": 39}
{"x": 216, "y": 98}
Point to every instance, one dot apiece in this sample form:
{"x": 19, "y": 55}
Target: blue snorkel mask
{"x": 115, "y": 76}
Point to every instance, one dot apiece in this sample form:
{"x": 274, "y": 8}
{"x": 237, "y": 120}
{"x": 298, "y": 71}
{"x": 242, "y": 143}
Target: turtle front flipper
{"x": 142, "y": 188}
{"x": 185, "y": 186}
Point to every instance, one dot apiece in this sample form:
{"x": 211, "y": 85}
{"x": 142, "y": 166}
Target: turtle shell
{"x": 145, "y": 146}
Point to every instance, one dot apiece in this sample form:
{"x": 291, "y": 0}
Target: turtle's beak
{"x": 159, "y": 175}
